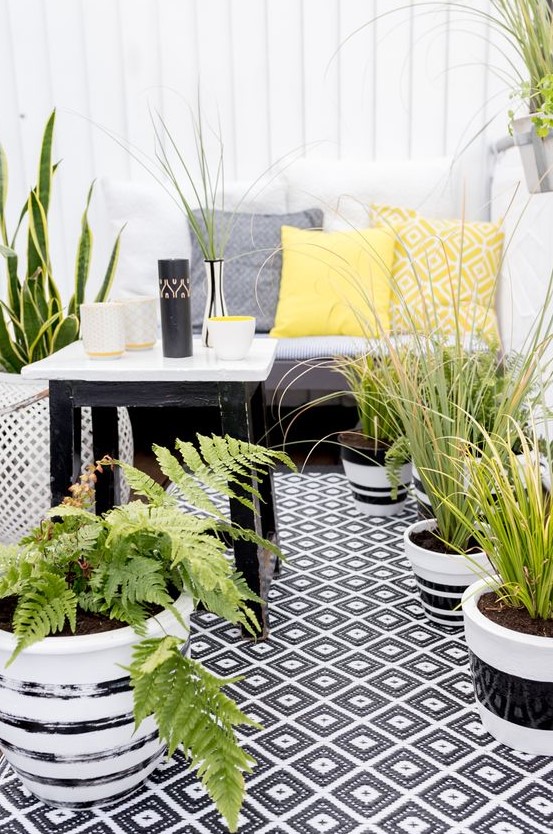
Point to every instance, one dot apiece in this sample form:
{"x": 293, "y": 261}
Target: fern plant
{"x": 135, "y": 559}
{"x": 33, "y": 321}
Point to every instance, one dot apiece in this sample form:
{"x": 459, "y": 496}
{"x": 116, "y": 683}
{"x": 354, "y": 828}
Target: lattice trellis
{"x": 25, "y": 453}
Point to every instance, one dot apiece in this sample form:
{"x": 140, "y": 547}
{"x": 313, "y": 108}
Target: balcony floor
{"x": 369, "y": 722}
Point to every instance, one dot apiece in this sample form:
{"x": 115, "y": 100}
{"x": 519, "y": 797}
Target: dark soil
{"x": 517, "y": 619}
{"x": 87, "y": 623}
{"x": 429, "y": 540}
{"x": 356, "y": 440}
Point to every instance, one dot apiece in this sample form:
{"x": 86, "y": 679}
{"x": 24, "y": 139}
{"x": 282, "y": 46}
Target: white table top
{"x": 71, "y": 363}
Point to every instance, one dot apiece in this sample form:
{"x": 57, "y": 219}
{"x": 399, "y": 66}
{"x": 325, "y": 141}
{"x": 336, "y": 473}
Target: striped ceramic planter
{"x": 66, "y": 715}
{"x": 513, "y": 679}
{"x": 442, "y": 578}
{"x": 370, "y": 482}
{"x": 424, "y": 507}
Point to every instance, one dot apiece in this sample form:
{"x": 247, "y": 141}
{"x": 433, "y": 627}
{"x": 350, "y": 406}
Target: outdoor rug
{"x": 367, "y": 708}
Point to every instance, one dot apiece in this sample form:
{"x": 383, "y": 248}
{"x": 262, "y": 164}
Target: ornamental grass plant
{"x": 504, "y": 490}
{"x": 137, "y": 559}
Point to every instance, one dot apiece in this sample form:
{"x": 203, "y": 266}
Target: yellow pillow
{"x": 334, "y": 283}
{"x": 384, "y": 215}
{"x": 445, "y": 276}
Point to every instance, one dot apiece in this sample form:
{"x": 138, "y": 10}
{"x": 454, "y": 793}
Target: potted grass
{"x": 94, "y": 626}
{"x": 508, "y": 615}
{"x": 440, "y": 389}
{"x": 375, "y": 455}
{"x": 34, "y": 322}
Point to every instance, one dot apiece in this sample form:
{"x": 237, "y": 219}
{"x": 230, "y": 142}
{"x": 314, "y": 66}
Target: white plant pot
{"x": 66, "y": 714}
{"x": 424, "y": 507}
{"x": 513, "y": 679}
{"x": 442, "y": 578}
{"x": 25, "y": 453}
{"x": 370, "y": 482}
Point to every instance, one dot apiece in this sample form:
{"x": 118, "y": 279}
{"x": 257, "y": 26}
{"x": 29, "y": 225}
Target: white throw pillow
{"x": 156, "y": 226}
{"x": 345, "y": 188}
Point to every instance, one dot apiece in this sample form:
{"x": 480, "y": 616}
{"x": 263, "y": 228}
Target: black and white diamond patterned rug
{"x": 369, "y": 723}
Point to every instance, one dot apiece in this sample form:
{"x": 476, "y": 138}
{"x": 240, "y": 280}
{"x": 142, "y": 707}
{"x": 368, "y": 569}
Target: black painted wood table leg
{"x": 236, "y": 421}
{"x": 64, "y": 442}
{"x": 105, "y": 441}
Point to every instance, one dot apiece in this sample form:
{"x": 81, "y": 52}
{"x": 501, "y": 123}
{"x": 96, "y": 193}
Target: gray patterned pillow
{"x": 253, "y": 263}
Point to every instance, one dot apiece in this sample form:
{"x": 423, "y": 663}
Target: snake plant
{"x": 33, "y": 320}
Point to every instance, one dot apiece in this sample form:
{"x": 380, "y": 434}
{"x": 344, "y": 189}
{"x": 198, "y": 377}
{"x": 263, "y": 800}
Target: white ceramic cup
{"x": 140, "y": 314}
{"x": 231, "y": 336}
{"x": 103, "y": 329}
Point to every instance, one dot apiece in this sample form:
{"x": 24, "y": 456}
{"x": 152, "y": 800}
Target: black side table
{"x": 235, "y": 389}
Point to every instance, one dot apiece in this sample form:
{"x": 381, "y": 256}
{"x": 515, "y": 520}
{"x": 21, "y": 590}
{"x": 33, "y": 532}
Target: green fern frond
{"x": 43, "y": 607}
{"x": 188, "y": 484}
{"x": 191, "y": 711}
{"x": 142, "y": 484}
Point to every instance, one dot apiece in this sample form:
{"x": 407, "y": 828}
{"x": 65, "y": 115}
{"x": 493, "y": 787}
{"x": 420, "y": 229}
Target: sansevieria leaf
{"x": 3, "y": 194}
{"x": 107, "y": 283}
{"x": 10, "y": 358}
{"x": 82, "y": 262}
{"x": 45, "y": 169}
{"x": 38, "y": 245}
{"x": 65, "y": 333}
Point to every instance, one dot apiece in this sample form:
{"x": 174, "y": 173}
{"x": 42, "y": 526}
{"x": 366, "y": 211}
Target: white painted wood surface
{"x": 71, "y": 362}
{"x": 317, "y": 77}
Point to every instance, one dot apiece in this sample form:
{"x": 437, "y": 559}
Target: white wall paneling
{"x": 339, "y": 78}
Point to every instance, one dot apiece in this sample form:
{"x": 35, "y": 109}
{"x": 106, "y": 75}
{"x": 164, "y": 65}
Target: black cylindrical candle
{"x": 176, "y": 317}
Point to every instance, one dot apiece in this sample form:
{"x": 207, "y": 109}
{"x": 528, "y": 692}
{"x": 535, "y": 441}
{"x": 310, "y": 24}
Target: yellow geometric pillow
{"x": 384, "y": 215}
{"x": 334, "y": 283}
{"x": 445, "y": 276}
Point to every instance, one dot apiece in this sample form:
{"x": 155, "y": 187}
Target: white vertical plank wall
{"x": 331, "y": 78}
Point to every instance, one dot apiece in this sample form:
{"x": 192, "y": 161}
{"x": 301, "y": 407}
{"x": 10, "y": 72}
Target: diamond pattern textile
{"x": 367, "y": 708}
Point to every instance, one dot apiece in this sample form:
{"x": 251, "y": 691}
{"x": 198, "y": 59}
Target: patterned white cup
{"x": 231, "y": 336}
{"x": 103, "y": 329}
{"x": 141, "y": 315}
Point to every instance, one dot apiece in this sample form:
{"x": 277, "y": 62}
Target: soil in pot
{"x": 87, "y": 621}
{"x": 370, "y": 447}
{"x": 516, "y": 619}
{"x": 429, "y": 540}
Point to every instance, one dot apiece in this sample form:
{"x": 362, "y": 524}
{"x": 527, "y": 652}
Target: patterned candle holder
{"x": 176, "y": 314}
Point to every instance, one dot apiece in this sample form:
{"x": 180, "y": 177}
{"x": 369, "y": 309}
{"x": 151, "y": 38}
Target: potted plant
{"x": 94, "y": 612}
{"x": 375, "y": 455}
{"x": 508, "y": 616}
{"x": 442, "y": 388}
{"x": 33, "y": 324}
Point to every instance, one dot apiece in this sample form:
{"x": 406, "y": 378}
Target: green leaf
{"x": 82, "y": 262}
{"x": 3, "y": 193}
{"x": 191, "y": 710}
{"x": 45, "y": 333}
{"x": 10, "y": 357}
{"x": 37, "y": 239}
{"x": 43, "y": 608}
{"x": 7, "y": 252}
{"x": 65, "y": 333}
{"x": 45, "y": 169}
{"x": 30, "y": 316}
{"x": 107, "y": 283}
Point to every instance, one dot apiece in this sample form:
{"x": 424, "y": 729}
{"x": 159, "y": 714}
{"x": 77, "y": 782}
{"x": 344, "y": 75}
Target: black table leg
{"x": 266, "y": 486}
{"x": 236, "y": 421}
{"x": 105, "y": 441}
{"x": 64, "y": 440}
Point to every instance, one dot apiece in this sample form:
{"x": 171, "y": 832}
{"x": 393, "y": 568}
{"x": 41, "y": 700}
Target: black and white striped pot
{"x": 370, "y": 483}
{"x": 513, "y": 679}
{"x": 442, "y": 578}
{"x": 66, "y": 714}
{"x": 424, "y": 507}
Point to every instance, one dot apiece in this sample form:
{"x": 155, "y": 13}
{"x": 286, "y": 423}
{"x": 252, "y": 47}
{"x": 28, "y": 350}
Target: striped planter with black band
{"x": 513, "y": 679}
{"x": 370, "y": 482}
{"x": 66, "y": 714}
{"x": 424, "y": 507}
{"x": 442, "y": 578}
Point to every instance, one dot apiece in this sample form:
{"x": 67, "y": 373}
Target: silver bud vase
{"x": 215, "y": 304}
